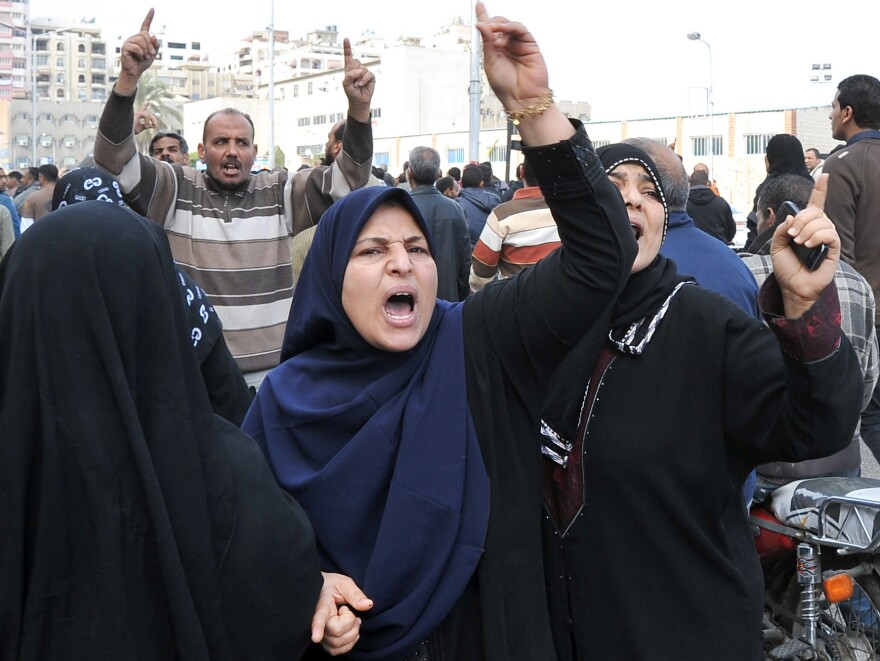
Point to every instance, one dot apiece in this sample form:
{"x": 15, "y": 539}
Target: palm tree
{"x": 159, "y": 99}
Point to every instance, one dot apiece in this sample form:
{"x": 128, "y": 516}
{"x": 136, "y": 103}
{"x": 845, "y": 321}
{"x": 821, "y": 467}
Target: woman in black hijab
{"x": 666, "y": 405}
{"x": 136, "y": 524}
{"x": 785, "y": 155}
{"x": 229, "y": 394}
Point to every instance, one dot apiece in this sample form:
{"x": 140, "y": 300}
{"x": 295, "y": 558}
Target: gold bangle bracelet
{"x": 536, "y": 108}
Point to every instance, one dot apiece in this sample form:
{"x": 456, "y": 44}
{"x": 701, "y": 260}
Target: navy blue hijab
{"x": 379, "y": 448}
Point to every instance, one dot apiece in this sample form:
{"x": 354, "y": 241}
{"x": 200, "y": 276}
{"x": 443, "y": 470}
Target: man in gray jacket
{"x": 447, "y": 222}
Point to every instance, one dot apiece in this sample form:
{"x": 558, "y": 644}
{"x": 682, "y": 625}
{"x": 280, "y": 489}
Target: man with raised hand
{"x": 230, "y": 229}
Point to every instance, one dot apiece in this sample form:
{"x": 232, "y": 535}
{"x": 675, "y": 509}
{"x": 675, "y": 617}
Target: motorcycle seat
{"x": 851, "y": 513}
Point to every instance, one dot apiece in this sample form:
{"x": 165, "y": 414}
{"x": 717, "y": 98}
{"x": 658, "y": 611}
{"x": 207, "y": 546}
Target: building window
{"x": 81, "y": 48}
{"x": 59, "y": 47}
{"x": 600, "y": 143}
{"x": 700, "y": 145}
{"x": 45, "y": 140}
{"x": 176, "y": 44}
{"x": 375, "y": 113}
{"x": 309, "y": 91}
{"x": 197, "y": 45}
{"x": 59, "y": 93}
{"x": 304, "y": 121}
{"x": 756, "y": 143}
{"x": 498, "y": 153}
{"x": 59, "y": 78}
{"x": 455, "y": 155}
{"x": 59, "y": 62}
{"x": 81, "y": 63}
{"x": 382, "y": 159}
{"x": 81, "y": 78}
{"x": 42, "y": 60}
{"x": 295, "y": 91}
{"x": 22, "y": 140}
{"x": 99, "y": 63}
{"x": 319, "y": 119}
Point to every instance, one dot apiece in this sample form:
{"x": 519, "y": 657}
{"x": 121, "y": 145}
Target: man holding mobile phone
{"x": 857, "y": 307}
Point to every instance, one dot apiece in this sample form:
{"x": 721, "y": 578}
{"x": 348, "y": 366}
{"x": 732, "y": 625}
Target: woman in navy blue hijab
{"x": 408, "y": 427}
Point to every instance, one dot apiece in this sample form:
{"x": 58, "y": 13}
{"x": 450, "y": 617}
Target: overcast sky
{"x": 629, "y": 59}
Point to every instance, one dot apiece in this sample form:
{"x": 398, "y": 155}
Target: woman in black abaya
{"x": 136, "y": 524}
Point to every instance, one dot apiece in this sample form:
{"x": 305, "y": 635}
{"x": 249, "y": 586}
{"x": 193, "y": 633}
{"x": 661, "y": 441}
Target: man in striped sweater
{"x": 517, "y": 234}
{"x": 230, "y": 229}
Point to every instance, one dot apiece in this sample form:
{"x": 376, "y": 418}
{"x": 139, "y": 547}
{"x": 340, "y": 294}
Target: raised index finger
{"x": 820, "y": 190}
{"x": 145, "y": 26}
{"x": 482, "y": 14}
{"x": 346, "y": 52}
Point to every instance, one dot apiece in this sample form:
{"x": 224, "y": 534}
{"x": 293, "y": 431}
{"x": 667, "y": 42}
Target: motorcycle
{"x": 818, "y": 542}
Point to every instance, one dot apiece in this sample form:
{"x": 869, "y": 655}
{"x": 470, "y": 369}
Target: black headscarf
{"x": 227, "y": 389}
{"x": 785, "y": 155}
{"x": 135, "y": 523}
{"x": 629, "y": 324}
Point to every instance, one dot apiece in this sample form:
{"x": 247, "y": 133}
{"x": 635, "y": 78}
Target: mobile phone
{"x": 810, "y": 257}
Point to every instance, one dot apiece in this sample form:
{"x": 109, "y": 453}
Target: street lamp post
{"x": 271, "y": 84}
{"x": 821, "y": 75}
{"x": 32, "y": 38}
{"x": 695, "y": 36}
{"x": 474, "y": 89}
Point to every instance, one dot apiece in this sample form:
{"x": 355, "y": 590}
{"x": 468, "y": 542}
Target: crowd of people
{"x": 338, "y": 413}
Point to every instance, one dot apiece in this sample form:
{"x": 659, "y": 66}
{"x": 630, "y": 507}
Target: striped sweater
{"x": 234, "y": 244}
{"x": 517, "y": 234}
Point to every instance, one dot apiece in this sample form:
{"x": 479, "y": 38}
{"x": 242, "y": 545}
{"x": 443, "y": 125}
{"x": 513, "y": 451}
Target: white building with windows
{"x": 14, "y": 49}
{"x": 421, "y": 94}
{"x": 740, "y": 142}
{"x": 67, "y": 67}
{"x": 70, "y": 60}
